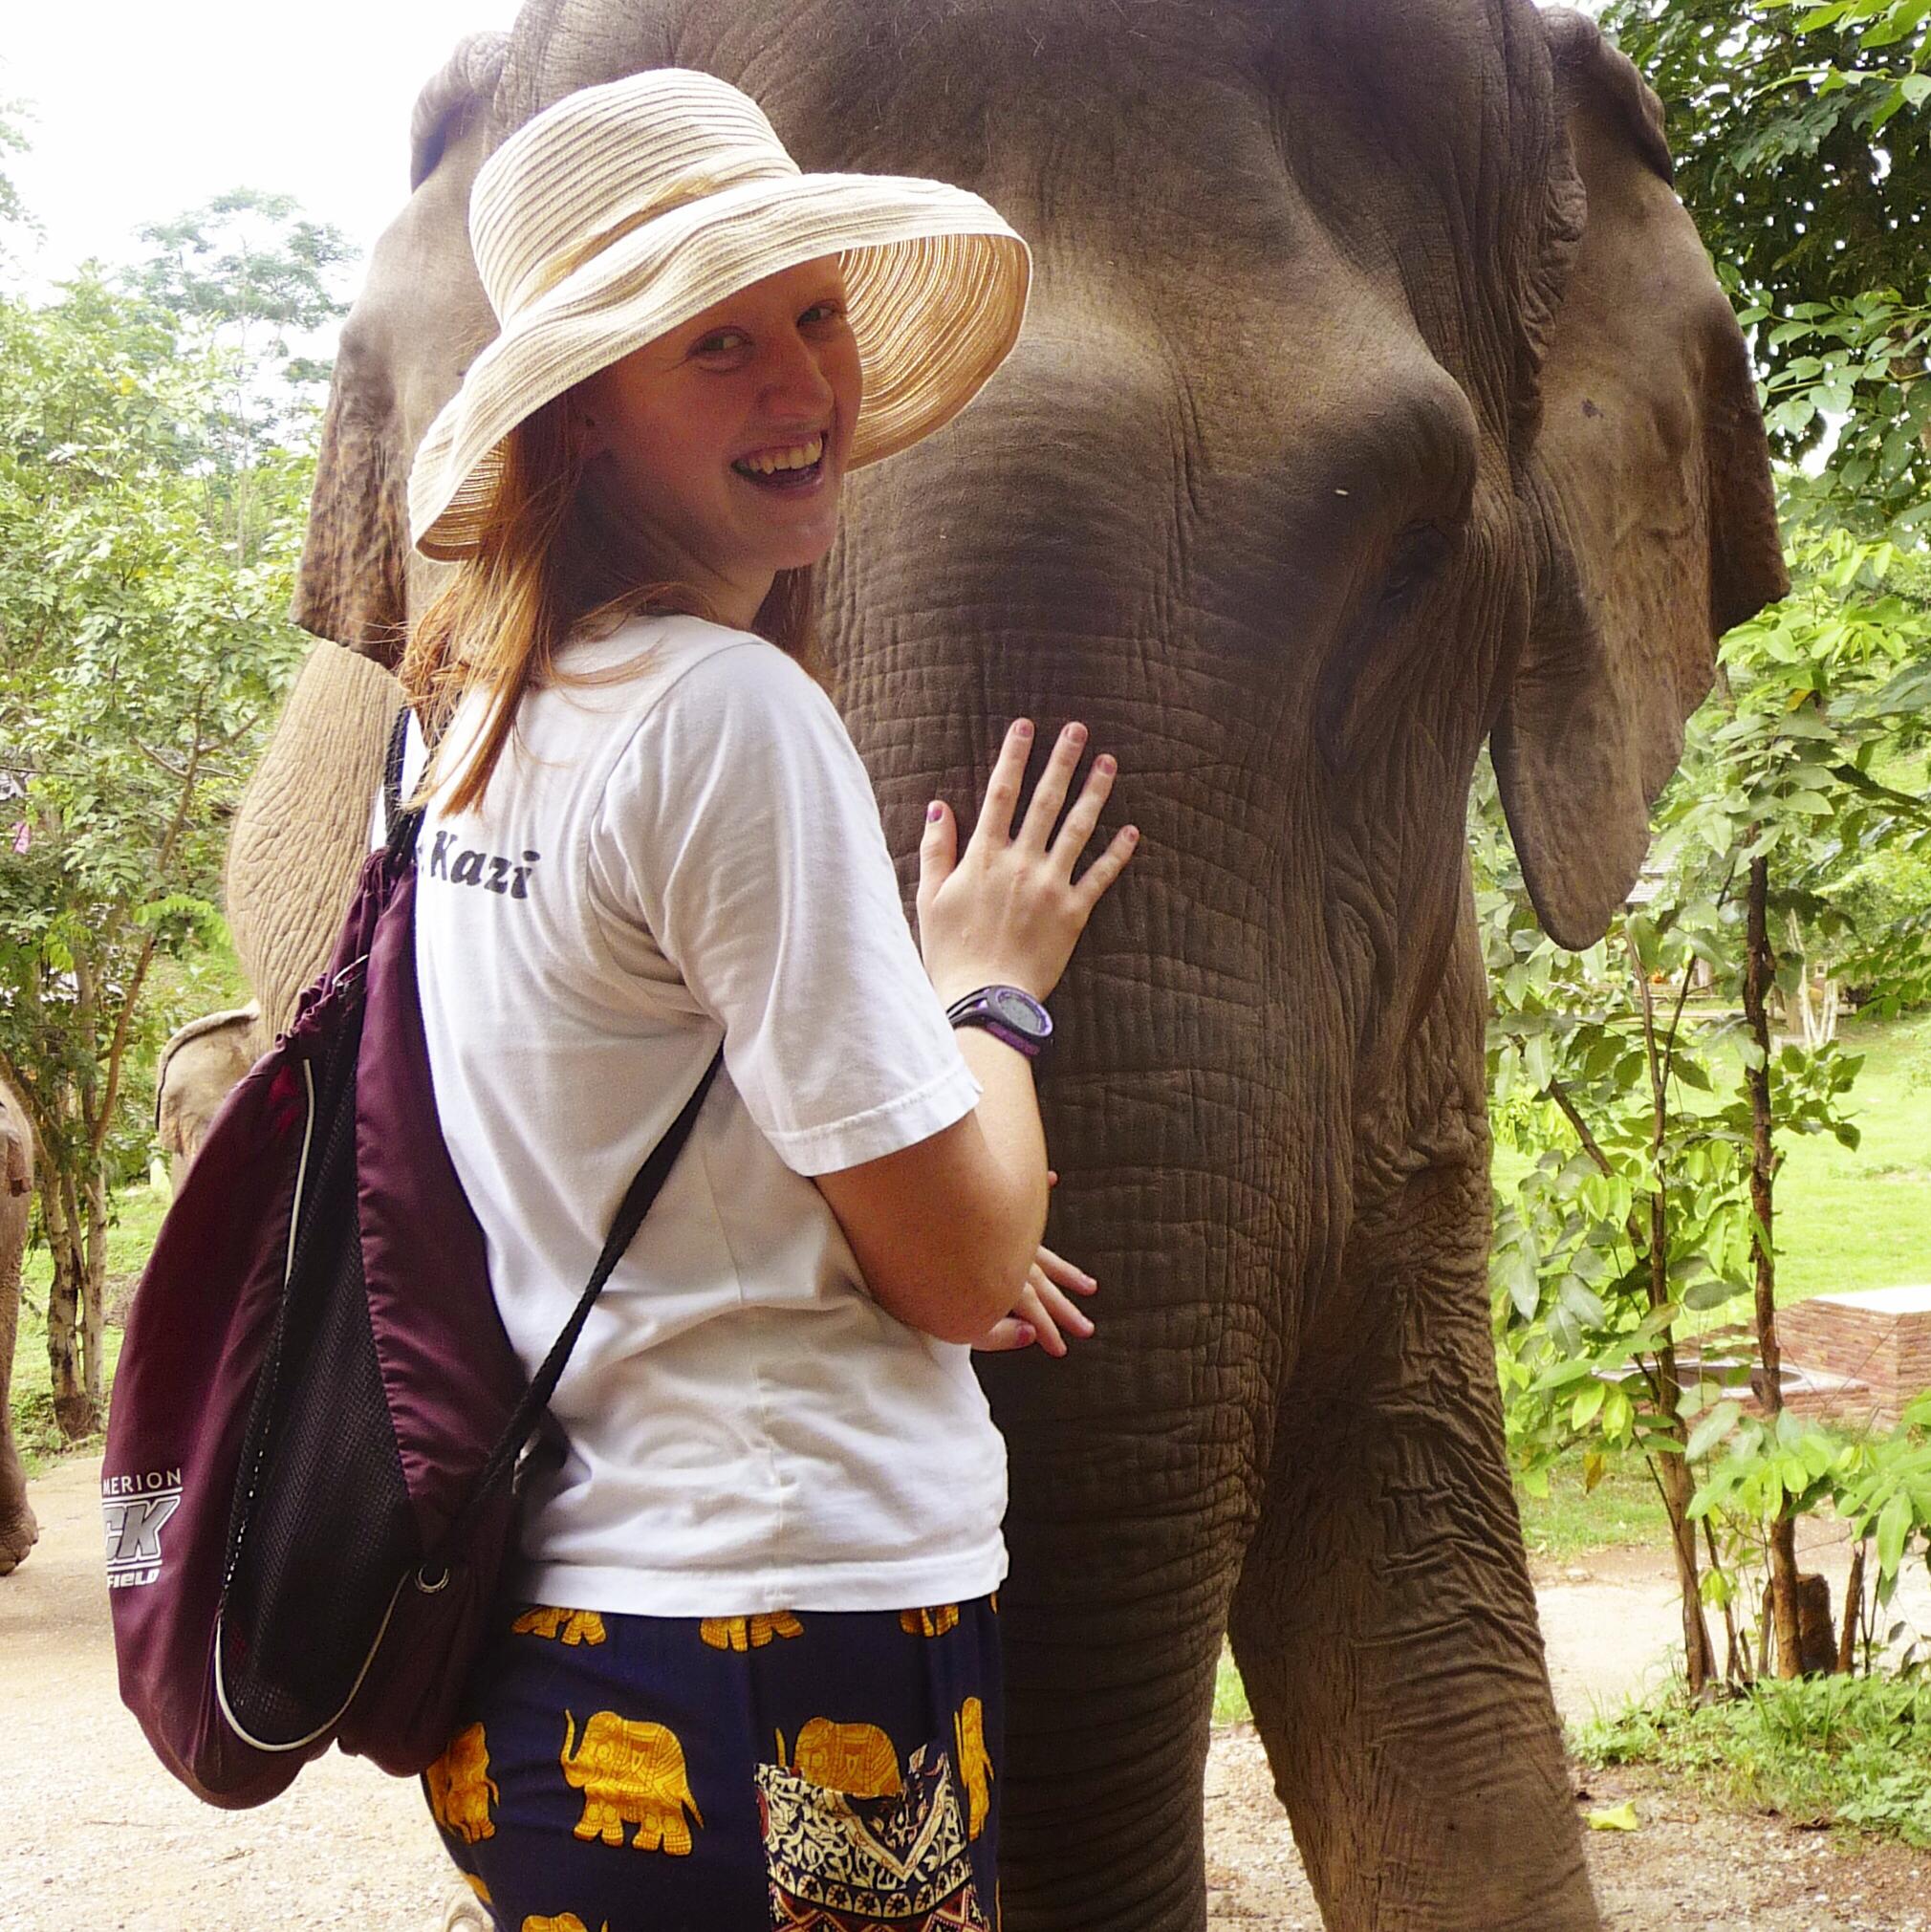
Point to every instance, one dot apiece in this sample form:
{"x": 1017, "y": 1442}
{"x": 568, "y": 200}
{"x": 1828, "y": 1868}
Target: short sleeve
{"x": 739, "y": 827}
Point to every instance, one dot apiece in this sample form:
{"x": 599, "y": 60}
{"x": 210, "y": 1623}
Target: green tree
{"x": 247, "y": 278}
{"x": 141, "y": 654}
{"x": 1653, "y": 1191}
{"x": 12, "y": 140}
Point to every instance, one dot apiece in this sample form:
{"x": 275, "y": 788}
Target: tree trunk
{"x": 1758, "y": 971}
{"x": 94, "y": 1298}
{"x": 76, "y": 1414}
{"x": 1672, "y": 1471}
{"x": 1673, "y": 1477}
{"x": 1854, "y": 1611}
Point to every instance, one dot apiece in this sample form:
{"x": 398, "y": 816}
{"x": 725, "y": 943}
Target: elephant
{"x": 301, "y": 828}
{"x": 18, "y": 1530}
{"x": 1378, "y": 404}
{"x": 631, "y": 1772}
{"x": 461, "y": 1788}
{"x": 567, "y": 1626}
{"x": 929, "y": 1621}
{"x": 200, "y": 1066}
{"x": 975, "y": 1765}
{"x": 748, "y": 1633}
{"x": 858, "y": 1759}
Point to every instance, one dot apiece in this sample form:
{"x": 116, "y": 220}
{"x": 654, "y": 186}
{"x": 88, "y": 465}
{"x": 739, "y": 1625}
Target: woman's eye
{"x": 822, "y": 311}
{"x": 720, "y": 342}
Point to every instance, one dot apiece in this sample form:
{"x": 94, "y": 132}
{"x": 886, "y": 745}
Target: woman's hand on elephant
{"x": 1043, "y": 1309}
{"x": 1008, "y": 910}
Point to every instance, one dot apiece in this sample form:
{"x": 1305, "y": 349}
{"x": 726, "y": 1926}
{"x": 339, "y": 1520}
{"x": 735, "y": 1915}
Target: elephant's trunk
{"x": 568, "y": 1759}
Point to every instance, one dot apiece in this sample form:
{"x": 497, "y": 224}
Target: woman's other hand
{"x": 1007, "y": 911}
{"x": 1044, "y": 1313}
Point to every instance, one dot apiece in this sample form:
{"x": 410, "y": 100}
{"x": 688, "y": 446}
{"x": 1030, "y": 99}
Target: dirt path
{"x": 94, "y": 1835}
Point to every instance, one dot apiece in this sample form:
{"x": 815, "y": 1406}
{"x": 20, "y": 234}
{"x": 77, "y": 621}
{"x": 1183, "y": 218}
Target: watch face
{"x": 1014, "y": 1008}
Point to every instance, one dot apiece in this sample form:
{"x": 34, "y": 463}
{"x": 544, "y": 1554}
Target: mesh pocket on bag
{"x": 323, "y": 1527}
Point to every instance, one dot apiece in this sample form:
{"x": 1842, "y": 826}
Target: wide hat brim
{"x": 936, "y": 287}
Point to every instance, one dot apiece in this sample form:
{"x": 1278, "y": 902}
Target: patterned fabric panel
{"x": 841, "y": 1863}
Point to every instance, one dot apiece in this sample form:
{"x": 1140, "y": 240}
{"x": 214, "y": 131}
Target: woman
{"x": 755, "y": 1679}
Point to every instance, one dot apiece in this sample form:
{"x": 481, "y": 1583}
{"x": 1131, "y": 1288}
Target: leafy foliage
{"x": 1638, "y": 1210}
{"x": 1780, "y": 119}
{"x": 1800, "y": 137}
{"x": 245, "y": 277}
{"x": 12, "y": 140}
{"x": 1849, "y": 1751}
{"x": 148, "y": 537}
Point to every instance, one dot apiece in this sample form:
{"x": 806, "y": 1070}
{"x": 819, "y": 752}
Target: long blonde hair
{"x": 550, "y": 566}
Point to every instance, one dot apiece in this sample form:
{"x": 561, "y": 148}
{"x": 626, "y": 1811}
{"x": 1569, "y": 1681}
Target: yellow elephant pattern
{"x": 630, "y": 1772}
{"x": 974, "y": 1765}
{"x": 564, "y": 1922}
{"x": 461, "y": 1788}
{"x": 748, "y": 1633}
{"x": 858, "y": 1759}
{"x": 933, "y": 1623}
{"x": 571, "y": 1626}
{"x": 476, "y": 1885}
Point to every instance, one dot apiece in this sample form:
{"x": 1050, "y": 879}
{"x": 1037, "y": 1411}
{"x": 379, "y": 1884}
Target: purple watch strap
{"x": 981, "y": 1010}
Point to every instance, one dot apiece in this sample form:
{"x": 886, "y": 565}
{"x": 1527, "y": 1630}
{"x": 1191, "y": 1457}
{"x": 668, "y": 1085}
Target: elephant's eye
{"x": 1418, "y": 555}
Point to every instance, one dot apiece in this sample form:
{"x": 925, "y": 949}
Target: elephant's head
{"x": 199, "y": 1068}
{"x": 1396, "y": 376}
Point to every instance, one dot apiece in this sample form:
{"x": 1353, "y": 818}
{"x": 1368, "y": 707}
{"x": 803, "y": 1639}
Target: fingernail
{"x": 934, "y": 812}
{"x": 1029, "y": 1331}
{"x": 1133, "y": 834}
{"x": 1077, "y": 733}
{"x": 1107, "y": 764}
{"x": 1022, "y": 727}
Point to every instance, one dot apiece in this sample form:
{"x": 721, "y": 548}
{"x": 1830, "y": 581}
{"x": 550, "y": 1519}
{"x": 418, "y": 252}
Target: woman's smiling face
{"x": 724, "y": 444}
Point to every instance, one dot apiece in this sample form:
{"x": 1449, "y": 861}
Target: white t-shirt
{"x": 695, "y": 851}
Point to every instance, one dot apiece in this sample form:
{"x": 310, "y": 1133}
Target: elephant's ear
{"x": 354, "y": 582}
{"x": 1649, "y": 485}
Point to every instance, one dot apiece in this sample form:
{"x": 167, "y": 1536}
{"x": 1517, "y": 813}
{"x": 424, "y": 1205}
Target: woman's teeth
{"x": 769, "y": 462}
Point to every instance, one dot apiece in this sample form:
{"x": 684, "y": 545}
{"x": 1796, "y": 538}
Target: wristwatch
{"x": 1008, "y": 1013}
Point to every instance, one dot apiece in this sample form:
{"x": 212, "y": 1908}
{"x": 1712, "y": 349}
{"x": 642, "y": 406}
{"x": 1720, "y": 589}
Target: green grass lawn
{"x": 1863, "y": 1220}
{"x": 1623, "y": 1510}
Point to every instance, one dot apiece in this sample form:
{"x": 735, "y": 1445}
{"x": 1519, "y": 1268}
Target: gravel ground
{"x": 95, "y": 1837}
{"x": 1689, "y": 1868}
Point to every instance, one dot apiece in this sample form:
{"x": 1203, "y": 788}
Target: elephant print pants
{"x": 796, "y": 1771}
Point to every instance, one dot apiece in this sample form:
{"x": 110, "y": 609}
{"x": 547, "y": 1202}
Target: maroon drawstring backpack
{"x": 318, "y": 1417}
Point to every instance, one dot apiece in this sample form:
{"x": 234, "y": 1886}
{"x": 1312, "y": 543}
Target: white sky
{"x": 143, "y": 110}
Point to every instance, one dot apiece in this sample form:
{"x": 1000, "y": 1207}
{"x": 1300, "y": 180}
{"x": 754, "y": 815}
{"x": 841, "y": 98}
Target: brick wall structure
{"x": 1859, "y": 1356}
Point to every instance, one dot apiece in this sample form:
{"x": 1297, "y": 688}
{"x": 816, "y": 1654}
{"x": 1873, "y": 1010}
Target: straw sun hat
{"x": 622, "y": 211}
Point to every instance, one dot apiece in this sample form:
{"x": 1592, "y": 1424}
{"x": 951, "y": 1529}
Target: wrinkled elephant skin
{"x": 1377, "y": 400}
{"x": 18, "y": 1531}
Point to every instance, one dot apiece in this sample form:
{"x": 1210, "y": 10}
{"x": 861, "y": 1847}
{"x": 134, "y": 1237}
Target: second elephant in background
{"x": 199, "y": 1068}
